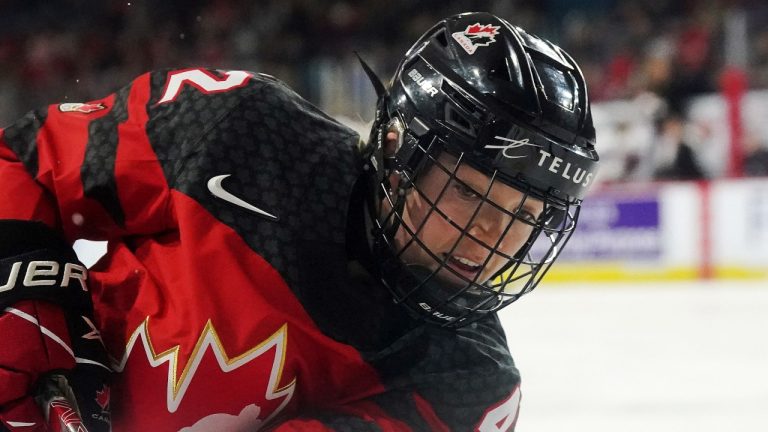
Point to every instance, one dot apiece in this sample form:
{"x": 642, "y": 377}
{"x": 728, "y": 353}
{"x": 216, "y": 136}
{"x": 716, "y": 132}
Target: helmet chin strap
{"x": 386, "y": 154}
{"x": 398, "y": 198}
{"x": 383, "y": 164}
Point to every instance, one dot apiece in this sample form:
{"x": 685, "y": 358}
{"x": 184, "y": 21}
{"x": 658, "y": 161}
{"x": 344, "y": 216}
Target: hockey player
{"x": 255, "y": 246}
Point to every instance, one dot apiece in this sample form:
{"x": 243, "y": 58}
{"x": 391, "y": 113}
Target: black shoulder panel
{"x": 98, "y": 170}
{"x": 21, "y": 137}
{"x": 276, "y": 151}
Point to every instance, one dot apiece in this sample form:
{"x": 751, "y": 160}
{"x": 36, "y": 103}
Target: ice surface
{"x": 642, "y": 357}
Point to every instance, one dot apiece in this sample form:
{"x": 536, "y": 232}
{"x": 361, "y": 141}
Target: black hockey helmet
{"x": 489, "y": 97}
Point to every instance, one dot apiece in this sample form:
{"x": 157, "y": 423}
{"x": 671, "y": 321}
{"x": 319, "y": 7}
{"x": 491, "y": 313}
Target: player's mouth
{"x": 465, "y": 267}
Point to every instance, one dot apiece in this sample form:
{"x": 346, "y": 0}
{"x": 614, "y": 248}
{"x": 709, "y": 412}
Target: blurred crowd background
{"x": 659, "y": 54}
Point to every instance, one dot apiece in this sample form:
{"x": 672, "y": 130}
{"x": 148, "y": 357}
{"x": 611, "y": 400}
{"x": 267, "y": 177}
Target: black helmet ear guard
{"x": 476, "y": 96}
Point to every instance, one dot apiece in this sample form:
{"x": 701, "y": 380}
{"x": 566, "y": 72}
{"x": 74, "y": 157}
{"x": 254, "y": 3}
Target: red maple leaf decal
{"x": 102, "y": 397}
{"x": 84, "y": 108}
{"x": 89, "y": 108}
{"x": 489, "y": 30}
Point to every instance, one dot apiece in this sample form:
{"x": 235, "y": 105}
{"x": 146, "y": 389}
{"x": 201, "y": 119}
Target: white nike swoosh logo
{"x": 214, "y": 185}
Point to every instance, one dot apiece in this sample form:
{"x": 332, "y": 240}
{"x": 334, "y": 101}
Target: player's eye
{"x": 526, "y": 216}
{"x": 465, "y": 192}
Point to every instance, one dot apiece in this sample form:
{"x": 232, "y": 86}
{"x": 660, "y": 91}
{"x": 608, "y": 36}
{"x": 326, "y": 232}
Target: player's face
{"x": 458, "y": 203}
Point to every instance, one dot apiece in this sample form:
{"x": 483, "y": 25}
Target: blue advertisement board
{"x": 617, "y": 227}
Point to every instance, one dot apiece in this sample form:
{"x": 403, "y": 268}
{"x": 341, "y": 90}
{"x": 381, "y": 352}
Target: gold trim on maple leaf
{"x": 177, "y": 384}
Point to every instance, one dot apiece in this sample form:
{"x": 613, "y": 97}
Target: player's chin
{"x": 455, "y": 282}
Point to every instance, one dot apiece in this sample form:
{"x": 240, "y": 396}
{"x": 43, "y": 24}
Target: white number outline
{"x": 503, "y": 416}
{"x": 202, "y": 80}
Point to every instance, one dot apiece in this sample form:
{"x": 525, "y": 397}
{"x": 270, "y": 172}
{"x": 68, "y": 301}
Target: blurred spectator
{"x": 755, "y": 157}
{"x": 672, "y": 157}
{"x": 75, "y": 50}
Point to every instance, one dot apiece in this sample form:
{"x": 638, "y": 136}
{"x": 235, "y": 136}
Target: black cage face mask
{"x": 455, "y": 243}
{"x": 450, "y": 245}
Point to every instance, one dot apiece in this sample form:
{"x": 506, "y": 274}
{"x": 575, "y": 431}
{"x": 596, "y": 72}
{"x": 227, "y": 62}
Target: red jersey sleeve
{"x": 86, "y": 169}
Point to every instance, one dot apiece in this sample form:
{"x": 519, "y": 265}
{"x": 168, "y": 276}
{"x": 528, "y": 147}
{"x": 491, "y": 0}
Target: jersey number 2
{"x": 202, "y": 80}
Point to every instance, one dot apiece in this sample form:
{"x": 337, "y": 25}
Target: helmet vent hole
{"x": 460, "y": 111}
{"x": 500, "y": 71}
{"x": 458, "y": 120}
{"x": 456, "y": 97}
{"x": 441, "y": 39}
{"x": 559, "y": 87}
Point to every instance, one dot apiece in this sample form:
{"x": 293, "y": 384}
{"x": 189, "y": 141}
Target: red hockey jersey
{"x": 227, "y": 298}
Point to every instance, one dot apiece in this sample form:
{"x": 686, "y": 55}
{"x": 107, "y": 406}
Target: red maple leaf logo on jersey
{"x": 83, "y": 108}
{"x": 102, "y": 397}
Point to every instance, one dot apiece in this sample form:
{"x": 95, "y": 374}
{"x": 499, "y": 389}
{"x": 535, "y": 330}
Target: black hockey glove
{"x": 49, "y": 337}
